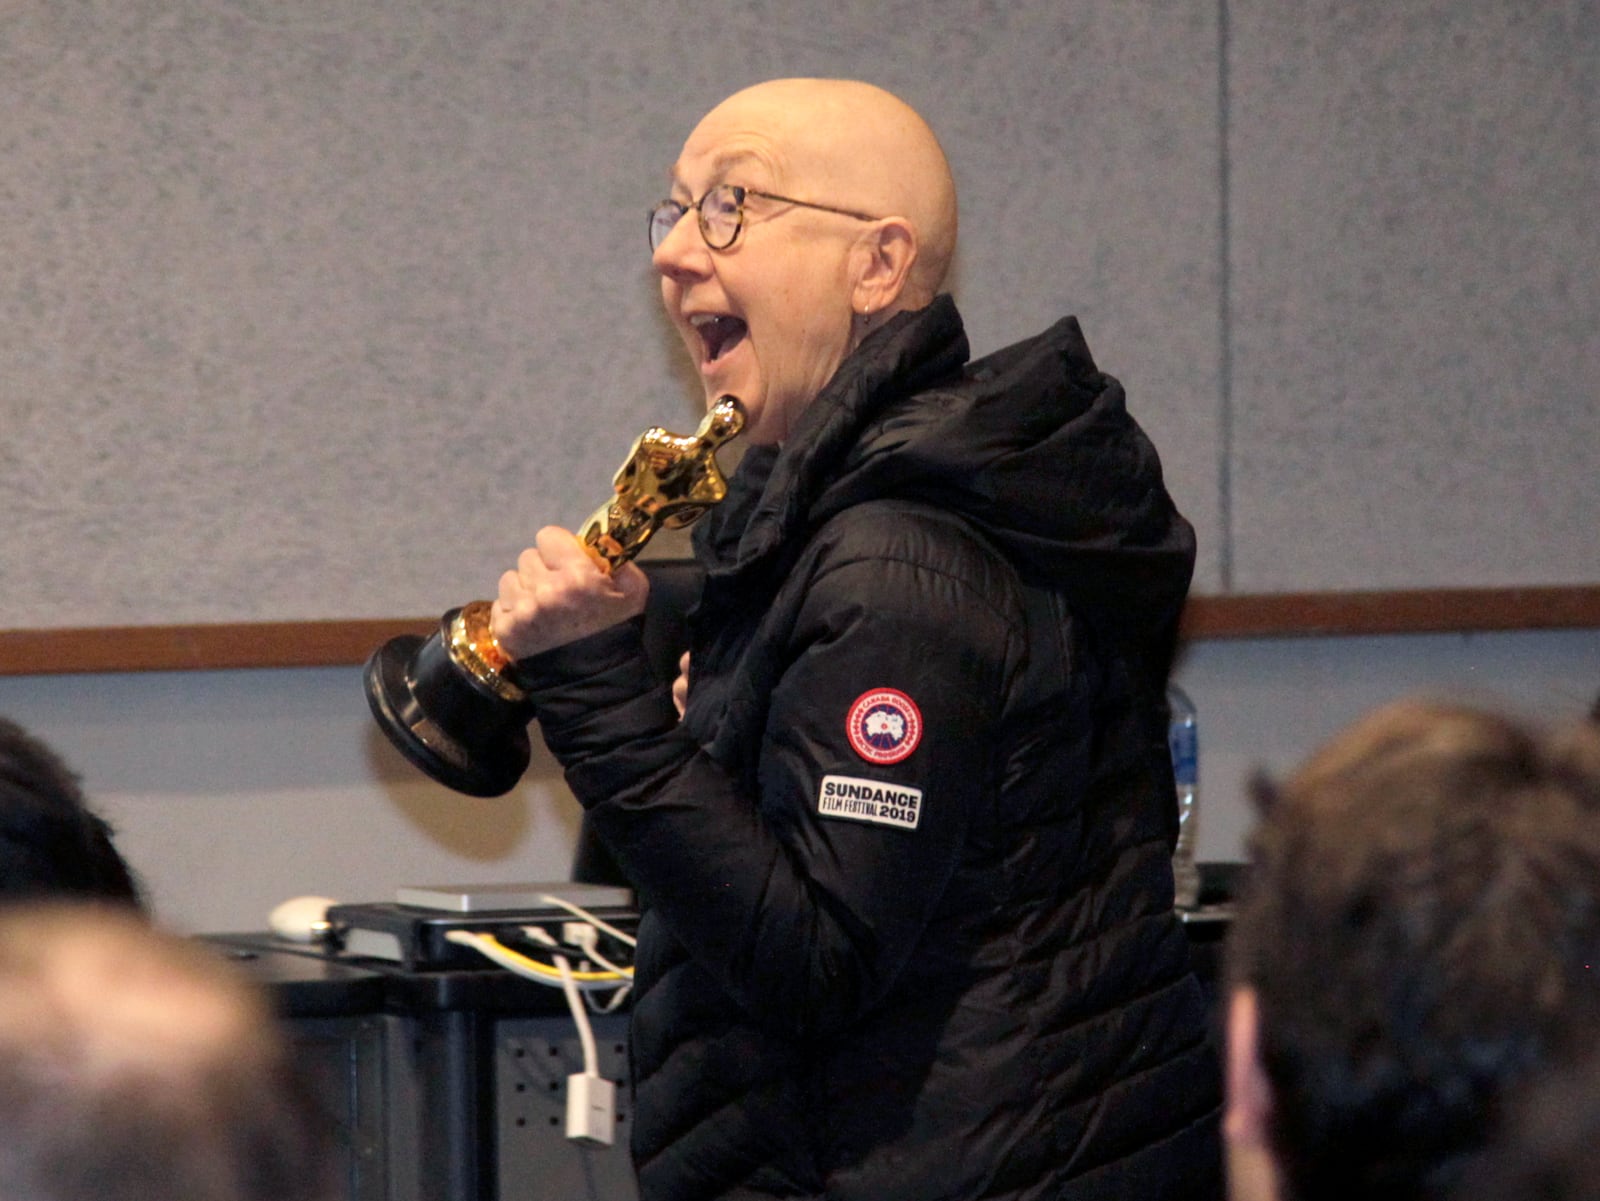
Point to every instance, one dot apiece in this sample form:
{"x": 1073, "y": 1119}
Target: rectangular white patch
{"x": 859, "y": 800}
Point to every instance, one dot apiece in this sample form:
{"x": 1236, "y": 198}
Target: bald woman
{"x": 905, "y": 856}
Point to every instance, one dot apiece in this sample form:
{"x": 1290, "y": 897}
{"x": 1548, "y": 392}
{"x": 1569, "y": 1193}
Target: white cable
{"x": 591, "y": 1057}
{"x": 591, "y": 1098}
{"x": 588, "y": 943}
{"x": 594, "y": 954}
{"x": 611, "y": 1006}
{"x": 580, "y": 912}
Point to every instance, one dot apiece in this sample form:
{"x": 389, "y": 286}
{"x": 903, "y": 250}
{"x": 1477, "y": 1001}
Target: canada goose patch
{"x": 884, "y": 725}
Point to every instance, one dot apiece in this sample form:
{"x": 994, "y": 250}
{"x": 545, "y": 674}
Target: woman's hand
{"x": 680, "y": 686}
{"x": 559, "y": 594}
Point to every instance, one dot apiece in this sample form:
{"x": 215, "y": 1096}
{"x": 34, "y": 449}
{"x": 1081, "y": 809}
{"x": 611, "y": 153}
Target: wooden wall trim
{"x": 347, "y": 643}
{"x": 1409, "y": 611}
{"x": 199, "y": 647}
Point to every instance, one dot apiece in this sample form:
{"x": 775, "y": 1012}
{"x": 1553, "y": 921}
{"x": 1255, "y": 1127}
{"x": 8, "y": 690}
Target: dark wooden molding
{"x": 1206, "y": 618}
{"x": 200, "y": 647}
{"x": 1408, "y": 611}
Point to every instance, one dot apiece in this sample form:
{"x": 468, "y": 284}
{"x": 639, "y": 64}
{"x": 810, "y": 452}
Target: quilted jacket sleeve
{"x": 806, "y": 896}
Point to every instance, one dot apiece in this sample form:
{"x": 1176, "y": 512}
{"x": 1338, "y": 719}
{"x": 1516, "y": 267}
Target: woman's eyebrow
{"x": 721, "y": 165}
{"x": 728, "y": 159}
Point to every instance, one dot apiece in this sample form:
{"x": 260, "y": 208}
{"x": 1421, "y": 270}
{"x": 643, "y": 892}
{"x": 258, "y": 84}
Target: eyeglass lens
{"x": 720, "y": 213}
{"x": 663, "y": 218}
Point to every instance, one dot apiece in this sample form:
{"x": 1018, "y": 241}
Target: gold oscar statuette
{"x": 451, "y": 702}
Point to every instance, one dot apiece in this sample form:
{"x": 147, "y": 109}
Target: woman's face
{"x": 769, "y": 318}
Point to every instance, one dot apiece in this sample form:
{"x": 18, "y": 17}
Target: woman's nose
{"x": 683, "y": 252}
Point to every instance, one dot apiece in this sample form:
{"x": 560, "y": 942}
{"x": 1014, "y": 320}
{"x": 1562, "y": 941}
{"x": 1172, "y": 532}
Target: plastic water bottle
{"x": 1183, "y": 739}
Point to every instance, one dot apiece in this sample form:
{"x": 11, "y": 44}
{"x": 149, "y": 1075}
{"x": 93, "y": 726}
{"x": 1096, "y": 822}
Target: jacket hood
{"x": 1033, "y": 445}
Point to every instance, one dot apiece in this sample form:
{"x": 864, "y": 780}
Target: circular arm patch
{"x": 884, "y": 725}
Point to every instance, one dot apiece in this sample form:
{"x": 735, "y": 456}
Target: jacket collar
{"x": 774, "y": 489}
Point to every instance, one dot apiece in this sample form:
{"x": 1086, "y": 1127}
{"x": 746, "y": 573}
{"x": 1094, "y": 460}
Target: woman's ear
{"x": 887, "y": 254}
{"x": 1249, "y": 1096}
{"x": 1247, "y": 1116}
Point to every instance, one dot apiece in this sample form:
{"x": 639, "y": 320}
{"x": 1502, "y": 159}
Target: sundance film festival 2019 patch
{"x": 859, "y": 800}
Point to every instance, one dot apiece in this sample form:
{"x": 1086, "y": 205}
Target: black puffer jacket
{"x": 905, "y": 860}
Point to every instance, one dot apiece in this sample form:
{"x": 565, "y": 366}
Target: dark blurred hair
{"x": 1545, "y": 1151}
{"x": 51, "y": 842}
{"x": 1422, "y": 929}
{"x": 136, "y": 1064}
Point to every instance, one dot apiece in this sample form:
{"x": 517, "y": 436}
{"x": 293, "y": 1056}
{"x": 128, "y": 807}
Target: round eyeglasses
{"x": 721, "y": 214}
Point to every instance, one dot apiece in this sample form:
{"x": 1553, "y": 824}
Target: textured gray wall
{"x": 1415, "y": 264}
{"x": 292, "y": 292}
{"x": 317, "y": 308}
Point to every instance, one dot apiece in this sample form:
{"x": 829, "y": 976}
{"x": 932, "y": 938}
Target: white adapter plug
{"x": 591, "y": 1109}
{"x": 581, "y": 935}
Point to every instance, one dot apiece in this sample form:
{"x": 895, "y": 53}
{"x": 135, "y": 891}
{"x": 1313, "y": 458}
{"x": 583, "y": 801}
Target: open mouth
{"x": 719, "y": 333}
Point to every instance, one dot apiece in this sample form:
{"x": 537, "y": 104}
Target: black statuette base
{"x": 444, "y": 721}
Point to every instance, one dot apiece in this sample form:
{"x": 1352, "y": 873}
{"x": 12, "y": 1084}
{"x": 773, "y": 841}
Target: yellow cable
{"x": 492, "y": 948}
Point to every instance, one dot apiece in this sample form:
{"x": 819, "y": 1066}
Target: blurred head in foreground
{"x": 1419, "y": 936}
{"x": 51, "y": 843}
{"x": 135, "y": 1064}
